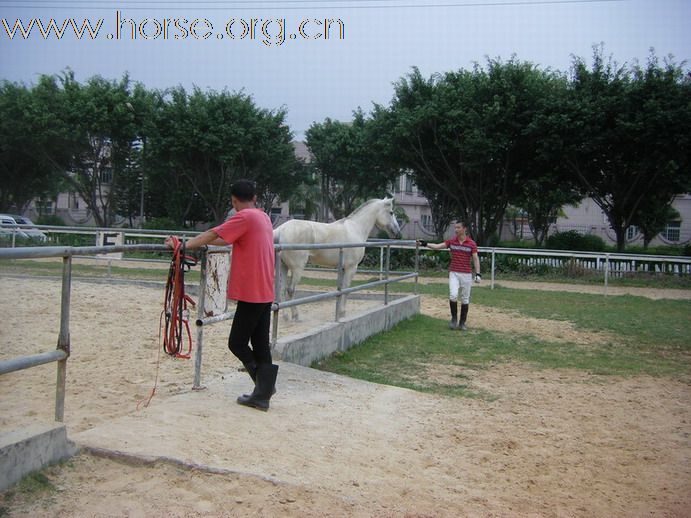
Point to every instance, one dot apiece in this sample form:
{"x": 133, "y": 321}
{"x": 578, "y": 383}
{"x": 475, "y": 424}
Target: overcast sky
{"x": 313, "y": 77}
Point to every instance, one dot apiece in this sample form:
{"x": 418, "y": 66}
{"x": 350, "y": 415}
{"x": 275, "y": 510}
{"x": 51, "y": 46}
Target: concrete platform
{"x": 322, "y": 430}
{"x": 201, "y": 428}
{"x": 31, "y": 448}
{"x": 324, "y": 340}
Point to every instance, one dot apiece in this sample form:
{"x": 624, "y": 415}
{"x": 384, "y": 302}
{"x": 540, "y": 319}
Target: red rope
{"x": 174, "y": 320}
{"x": 175, "y": 315}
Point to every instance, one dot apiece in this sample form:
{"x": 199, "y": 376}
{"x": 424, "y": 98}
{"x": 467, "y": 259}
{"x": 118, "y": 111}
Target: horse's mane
{"x": 363, "y": 207}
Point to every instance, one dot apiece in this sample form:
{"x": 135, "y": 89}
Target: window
{"x": 45, "y": 207}
{"x": 426, "y": 221}
{"x": 275, "y": 214}
{"x": 631, "y": 232}
{"x": 408, "y": 184}
{"x": 106, "y": 175}
{"x": 397, "y": 185}
{"x": 672, "y": 231}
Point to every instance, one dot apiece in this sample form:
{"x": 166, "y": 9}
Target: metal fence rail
{"x": 62, "y": 352}
{"x": 278, "y": 304}
{"x": 608, "y": 263}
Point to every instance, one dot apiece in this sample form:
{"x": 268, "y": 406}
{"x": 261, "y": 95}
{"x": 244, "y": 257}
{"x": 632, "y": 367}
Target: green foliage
{"x": 32, "y": 486}
{"x": 399, "y": 259}
{"x": 462, "y": 135}
{"x": 31, "y": 143}
{"x": 57, "y": 239}
{"x": 575, "y": 241}
{"x": 203, "y": 142}
{"x": 103, "y": 120}
{"x": 162, "y": 223}
{"x": 50, "y": 219}
{"x": 660, "y": 250}
{"x": 626, "y": 139}
{"x": 350, "y": 170}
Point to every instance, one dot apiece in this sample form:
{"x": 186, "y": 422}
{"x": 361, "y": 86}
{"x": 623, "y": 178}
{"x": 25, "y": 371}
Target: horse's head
{"x": 386, "y": 219}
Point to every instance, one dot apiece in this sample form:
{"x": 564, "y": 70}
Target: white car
{"x": 19, "y": 224}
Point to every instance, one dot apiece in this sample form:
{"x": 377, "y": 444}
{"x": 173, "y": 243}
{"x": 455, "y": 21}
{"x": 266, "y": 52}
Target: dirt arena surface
{"x": 546, "y": 443}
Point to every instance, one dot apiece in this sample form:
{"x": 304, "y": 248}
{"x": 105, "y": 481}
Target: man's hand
{"x": 421, "y": 242}
{"x": 478, "y": 278}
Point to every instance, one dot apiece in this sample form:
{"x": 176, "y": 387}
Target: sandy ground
{"x": 544, "y": 443}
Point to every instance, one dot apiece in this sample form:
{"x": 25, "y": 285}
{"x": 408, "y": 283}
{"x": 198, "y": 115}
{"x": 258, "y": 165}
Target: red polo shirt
{"x": 252, "y": 261}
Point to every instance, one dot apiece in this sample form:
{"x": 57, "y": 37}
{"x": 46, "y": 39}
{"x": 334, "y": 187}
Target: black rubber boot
{"x": 251, "y": 369}
{"x": 453, "y": 305}
{"x": 464, "y": 317}
{"x": 263, "y": 390}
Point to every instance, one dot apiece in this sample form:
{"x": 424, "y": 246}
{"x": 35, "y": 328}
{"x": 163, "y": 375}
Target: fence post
{"x": 417, "y": 266}
{"x": 492, "y": 273}
{"x": 64, "y": 337}
{"x": 200, "y": 314}
{"x": 388, "y": 267}
{"x": 606, "y": 272}
{"x": 277, "y": 297}
{"x": 339, "y": 287}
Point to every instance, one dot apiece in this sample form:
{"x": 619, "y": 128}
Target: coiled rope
{"x": 174, "y": 321}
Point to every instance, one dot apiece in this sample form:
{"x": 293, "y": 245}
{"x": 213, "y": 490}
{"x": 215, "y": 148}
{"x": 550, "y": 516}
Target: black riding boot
{"x": 453, "y": 305}
{"x": 464, "y": 316}
{"x": 264, "y": 389}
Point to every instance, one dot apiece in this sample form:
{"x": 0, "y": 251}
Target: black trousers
{"x": 251, "y": 324}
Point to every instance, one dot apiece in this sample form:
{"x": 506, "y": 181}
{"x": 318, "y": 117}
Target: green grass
{"x": 639, "y": 279}
{"x": 644, "y": 323}
{"x": 31, "y": 487}
{"x": 640, "y": 336}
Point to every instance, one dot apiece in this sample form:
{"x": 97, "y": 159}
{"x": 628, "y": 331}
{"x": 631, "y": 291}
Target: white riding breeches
{"x": 462, "y": 281}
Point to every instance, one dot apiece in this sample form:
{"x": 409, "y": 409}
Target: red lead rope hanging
{"x": 174, "y": 321}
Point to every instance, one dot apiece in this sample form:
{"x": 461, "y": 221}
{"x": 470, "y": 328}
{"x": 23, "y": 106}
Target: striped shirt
{"x": 461, "y": 254}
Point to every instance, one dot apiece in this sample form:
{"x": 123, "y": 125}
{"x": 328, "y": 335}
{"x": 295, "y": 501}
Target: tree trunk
{"x": 621, "y": 238}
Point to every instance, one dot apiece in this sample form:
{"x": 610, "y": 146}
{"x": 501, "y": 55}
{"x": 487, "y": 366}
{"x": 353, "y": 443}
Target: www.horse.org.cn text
{"x": 268, "y": 31}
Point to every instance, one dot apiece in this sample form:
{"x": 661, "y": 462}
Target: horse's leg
{"x": 283, "y": 287}
{"x": 295, "y": 276}
{"x": 348, "y": 274}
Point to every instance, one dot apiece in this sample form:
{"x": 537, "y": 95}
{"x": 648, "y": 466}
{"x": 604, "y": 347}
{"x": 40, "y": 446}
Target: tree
{"x": 304, "y": 200}
{"x": 31, "y": 145}
{"x": 462, "y": 136}
{"x": 630, "y": 138}
{"x": 204, "y": 141}
{"x": 101, "y": 134}
{"x": 653, "y": 217}
{"x": 547, "y": 183}
{"x": 129, "y": 191}
{"x": 349, "y": 167}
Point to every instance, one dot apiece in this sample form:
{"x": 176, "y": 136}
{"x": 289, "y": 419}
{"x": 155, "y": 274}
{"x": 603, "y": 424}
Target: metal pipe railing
{"x": 62, "y": 352}
{"x": 26, "y": 362}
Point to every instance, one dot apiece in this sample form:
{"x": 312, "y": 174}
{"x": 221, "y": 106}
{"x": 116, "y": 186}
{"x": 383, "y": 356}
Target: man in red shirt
{"x": 463, "y": 249}
{"x": 251, "y": 284}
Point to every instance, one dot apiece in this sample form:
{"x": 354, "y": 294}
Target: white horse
{"x": 354, "y": 228}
